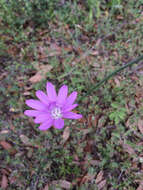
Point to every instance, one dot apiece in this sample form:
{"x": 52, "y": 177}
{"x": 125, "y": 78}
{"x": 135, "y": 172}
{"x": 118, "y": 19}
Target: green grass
{"x": 108, "y": 133}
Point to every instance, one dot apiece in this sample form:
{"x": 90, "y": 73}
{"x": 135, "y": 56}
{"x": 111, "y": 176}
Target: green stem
{"x": 113, "y": 73}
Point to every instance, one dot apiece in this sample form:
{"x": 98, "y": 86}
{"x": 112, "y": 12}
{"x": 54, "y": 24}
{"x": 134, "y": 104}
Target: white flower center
{"x": 56, "y": 113}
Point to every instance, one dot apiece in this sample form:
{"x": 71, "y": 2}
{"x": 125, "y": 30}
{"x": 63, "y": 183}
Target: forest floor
{"x": 78, "y": 47}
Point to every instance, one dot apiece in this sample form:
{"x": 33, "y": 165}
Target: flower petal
{"x": 42, "y": 118}
{"x": 62, "y": 95}
{"x": 59, "y": 123}
{"x": 51, "y": 92}
{"x": 46, "y": 125}
{"x": 71, "y": 115}
{"x": 69, "y": 107}
{"x": 35, "y": 104}
{"x": 70, "y": 100}
{"x": 32, "y": 113}
{"x": 42, "y": 97}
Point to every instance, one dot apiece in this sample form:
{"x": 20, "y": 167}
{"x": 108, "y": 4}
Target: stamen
{"x": 56, "y": 113}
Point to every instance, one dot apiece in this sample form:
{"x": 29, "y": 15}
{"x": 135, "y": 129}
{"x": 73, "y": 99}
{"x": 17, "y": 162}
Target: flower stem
{"x": 113, "y": 73}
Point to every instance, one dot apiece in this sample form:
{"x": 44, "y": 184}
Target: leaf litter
{"x": 86, "y": 140}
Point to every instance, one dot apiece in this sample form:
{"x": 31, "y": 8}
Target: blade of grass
{"x": 113, "y": 74}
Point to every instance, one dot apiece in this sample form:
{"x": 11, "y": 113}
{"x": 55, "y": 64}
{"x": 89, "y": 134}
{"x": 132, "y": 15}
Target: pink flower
{"x": 51, "y": 108}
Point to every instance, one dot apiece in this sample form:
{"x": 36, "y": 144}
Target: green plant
{"x": 115, "y": 5}
{"x": 68, "y": 167}
{"x": 94, "y": 9}
{"x": 118, "y": 113}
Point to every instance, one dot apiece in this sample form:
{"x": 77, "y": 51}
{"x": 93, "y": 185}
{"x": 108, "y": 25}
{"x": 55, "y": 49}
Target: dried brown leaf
{"x": 3, "y": 75}
{"x": 119, "y": 17}
{"x": 7, "y": 146}
{"x": 89, "y": 121}
{"x": 45, "y": 52}
{"x": 66, "y": 134}
{"x": 102, "y": 184}
{"x": 24, "y": 139}
{"x": 26, "y": 93}
{"x": 88, "y": 147}
{"x": 117, "y": 82}
{"x": 36, "y": 78}
{"x": 40, "y": 75}
{"x": 140, "y": 125}
{"x": 62, "y": 183}
{"x": 98, "y": 42}
{"x": 4, "y": 132}
{"x": 140, "y": 187}
{"x": 95, "y": 52}
{"x": 85, "y": 131}
{"x": 46, "y": 187}
{"x": 45, "y": 68}
{"x": 6, "y": 171}
{"x": 53, "y": 53}
{"x": 4, "y": 182}
{"x": 99, "y": 177}
{"x": 128, "y": 149}
{"x": 95, "y": 123}
{"x": 127, "y": 108}
{"x": 13, "y": 179}
{"x": 88, "y": 177}
{"x": 65, "y": 184}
